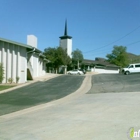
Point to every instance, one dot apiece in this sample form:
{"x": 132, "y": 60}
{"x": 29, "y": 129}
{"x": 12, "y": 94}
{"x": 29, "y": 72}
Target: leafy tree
{"x": 1, "y": 72}
{"x": 63, "y": 57}
{"x": 77, "y": 57}
{"x": 57, "y": 56}
{"x": 118, "y": 56}
{"x": 50, "y": 54}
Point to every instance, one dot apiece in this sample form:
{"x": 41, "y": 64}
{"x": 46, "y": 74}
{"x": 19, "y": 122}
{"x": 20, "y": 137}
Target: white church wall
{"x": 9, "y": 61}
{"x": 23, "y": 65}
{"x": 14, "y": 61}
{"x": 35, "y": 65}
{"x": 40, "y": 67}
{"x": 3, "y": 58}
{"x": 63, "y": 43}
{"x": 67, "y": 44}
{"x": 14, "y": 57}
{"x": 69, "y": 47}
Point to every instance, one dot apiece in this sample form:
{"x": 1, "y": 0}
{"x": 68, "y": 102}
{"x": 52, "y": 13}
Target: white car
{"x": 132, "y": 68}
{"x": 75, "y": 72}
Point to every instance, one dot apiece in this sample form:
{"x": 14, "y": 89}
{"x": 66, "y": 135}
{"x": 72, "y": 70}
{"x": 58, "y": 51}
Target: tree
{"x": 1, "y": 72}
{"x": 57, "y": 56}
{"x": 50, "y": 54}
{"x": 118, "y": 56}
{"x": 77, "y": 57}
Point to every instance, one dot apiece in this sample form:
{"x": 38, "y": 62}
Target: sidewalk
{"x": 45, "y": 77}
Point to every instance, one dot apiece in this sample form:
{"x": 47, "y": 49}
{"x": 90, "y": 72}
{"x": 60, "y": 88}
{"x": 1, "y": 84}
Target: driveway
{"x": 79, "y": 116}
{"x": 38, "y": 93}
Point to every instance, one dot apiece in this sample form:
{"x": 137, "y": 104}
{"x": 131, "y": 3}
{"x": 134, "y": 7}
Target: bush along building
{"x": 20, "y": 61}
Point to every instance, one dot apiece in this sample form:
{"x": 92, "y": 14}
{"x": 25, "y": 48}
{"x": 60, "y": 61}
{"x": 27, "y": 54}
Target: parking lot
{"x": 103, "y": 114}
{"x": 115, "y": 83}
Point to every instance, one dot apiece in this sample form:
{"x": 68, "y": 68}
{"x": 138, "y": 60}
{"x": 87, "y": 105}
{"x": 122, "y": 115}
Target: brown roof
{"x": 98, "y": 62}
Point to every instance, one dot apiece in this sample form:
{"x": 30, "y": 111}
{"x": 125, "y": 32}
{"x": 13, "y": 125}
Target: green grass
{"x": 3, "y": 87}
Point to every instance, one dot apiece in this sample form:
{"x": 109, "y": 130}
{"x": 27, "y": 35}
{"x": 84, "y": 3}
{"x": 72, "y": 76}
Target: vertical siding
{"x": 35, "y": 64}
{"x": 14, "y": 61}
{"x": 22, "y": 65}
{"x": 40, "y": 67}
{"x": 13, "y": 67}
{"x": 18, "y": 62}
{"x": 4, "y": 61}
{"x": 8, "y": 53}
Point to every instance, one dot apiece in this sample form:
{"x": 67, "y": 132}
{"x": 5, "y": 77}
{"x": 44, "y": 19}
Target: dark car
{"x": 83, "y": 70}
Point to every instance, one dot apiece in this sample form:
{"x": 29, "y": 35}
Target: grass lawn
{"x": 3, "y": 87}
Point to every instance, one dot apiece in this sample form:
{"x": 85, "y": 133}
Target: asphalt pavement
{"x": 39, "y": 93}
{"x": 115, "y": 83}
{"x": 80, "y": 116}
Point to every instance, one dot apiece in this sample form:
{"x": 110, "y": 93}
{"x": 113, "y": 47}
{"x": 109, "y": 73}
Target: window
{"x": 137, "y": 66}
{"x": 131, "y": 66}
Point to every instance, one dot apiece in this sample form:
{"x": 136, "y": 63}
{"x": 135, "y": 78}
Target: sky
{"x": 95, "y": 25}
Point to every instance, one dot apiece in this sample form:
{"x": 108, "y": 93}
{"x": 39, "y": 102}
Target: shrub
{"x": 1, "y": 72}
{"x": 10, "y": 80}
{"x": 17, "y": 79}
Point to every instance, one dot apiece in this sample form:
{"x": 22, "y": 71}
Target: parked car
{"x": 79, "y": 72}
{"x": 132, "y": 68}
{"x": 83, "y": 70}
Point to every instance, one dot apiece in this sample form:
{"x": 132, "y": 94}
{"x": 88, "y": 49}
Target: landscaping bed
{"x": 3, "y": 87}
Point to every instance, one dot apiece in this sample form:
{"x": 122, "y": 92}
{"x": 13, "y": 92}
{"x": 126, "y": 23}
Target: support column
{"x": 13, "y": 63}
{"x": 18, "y": 62}
{"x": 3, "y": 57}
{"x": 8, "y": 62}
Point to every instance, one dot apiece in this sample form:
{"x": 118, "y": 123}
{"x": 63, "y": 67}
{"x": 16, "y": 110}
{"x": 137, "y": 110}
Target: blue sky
{"x": 95, "y": 25}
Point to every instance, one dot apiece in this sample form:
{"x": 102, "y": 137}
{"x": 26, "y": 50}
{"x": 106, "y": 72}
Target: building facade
{"x": 21, "y": 61}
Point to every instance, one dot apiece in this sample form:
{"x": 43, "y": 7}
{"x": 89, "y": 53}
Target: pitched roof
{"x": 19, "y": 44}
{"x": 95, "y": 62}
{"x": 16, "y": 43}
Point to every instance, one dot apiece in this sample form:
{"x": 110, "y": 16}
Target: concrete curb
{"x": 84, "y": 88}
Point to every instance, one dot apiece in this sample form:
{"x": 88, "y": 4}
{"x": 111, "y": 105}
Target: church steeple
{"x": 65, "y": 31}
{"x": 66, "y": 36}
{"x": 66, "y": 41}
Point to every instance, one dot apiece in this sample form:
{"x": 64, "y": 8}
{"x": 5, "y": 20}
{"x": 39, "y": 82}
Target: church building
{"x": 21, "y": 61}
{"x": 66, "y": 41}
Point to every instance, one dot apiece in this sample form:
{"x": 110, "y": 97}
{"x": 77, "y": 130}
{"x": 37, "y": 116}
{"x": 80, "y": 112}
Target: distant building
{"x": 21, "y": 60}
{"x": 66, "y": 41}
{"x": 100, "y": 65}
